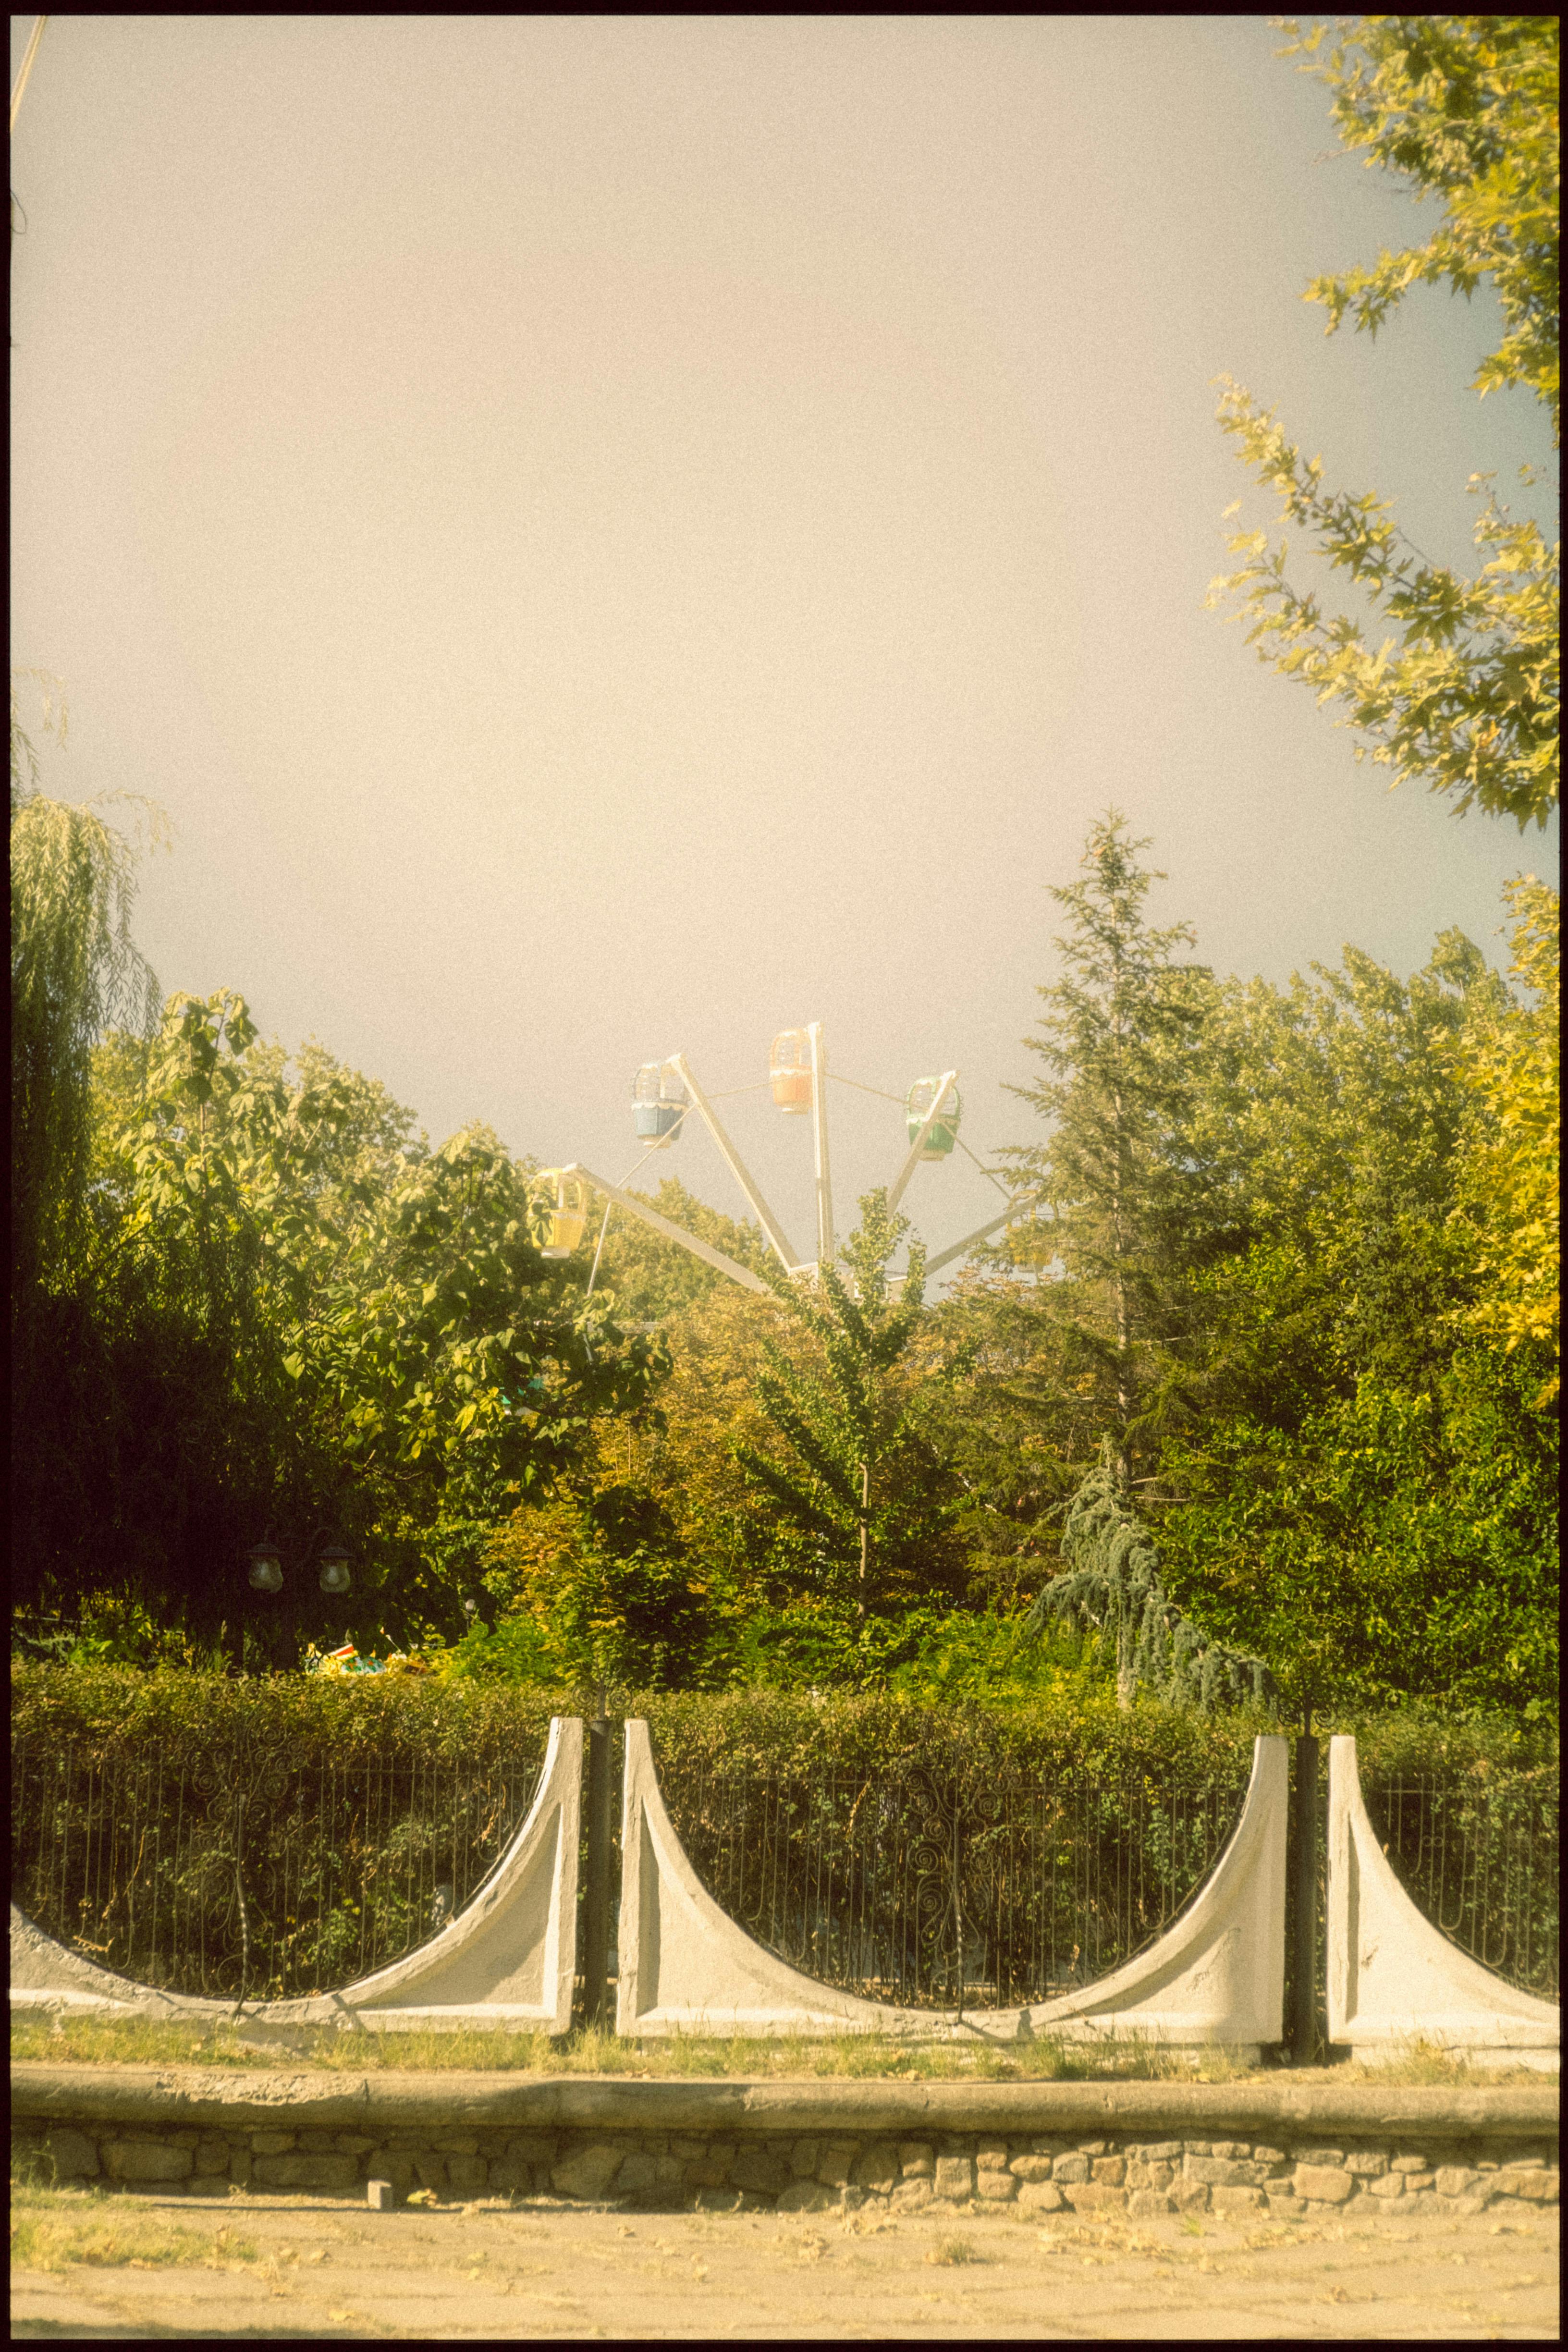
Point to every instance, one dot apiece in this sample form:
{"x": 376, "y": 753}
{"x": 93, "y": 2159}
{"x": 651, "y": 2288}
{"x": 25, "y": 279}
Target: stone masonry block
{"x": 996, "y": 2187}
{"x": 1235, "y": 2148}
{"x": 1325, "y": 2184}
{"x": 762, "y": 2174}
{"x": 1283, "y": 2207}
{"x": 467, "y": 2174}
{"x": 533, "y": 2148}
{"x": 1218, "y": 2170}
{"x": 1157, "y": 2177}
{"x": 1408, "y": 2164}
{"x": 1366, "y": 2165}
{"x": 1318, "y": 2154}
{"x": 1391, "y": 2185}
{"x": 509, "y": 2177}
{"x": 837, "y": 2162}
{"x": 807, "y": 2197}
{"x": 1095, "y": 2197}
{"x": 70, "y": 2156}
{"x": 1069, "y": 2169}
{"x": 145, "y": 2159}
{"x": 954, "y": 2178}
{"x": 1456, "y": 2180}
{"x": 1032, "y": 2167}
{"x": 240, "y": 2164}
{"x": 211, "y": 2155}
{"x": 430, "y": 2170}
{"x": 1261, "y": 2155}
{"x": 301, "y": 2171}
{"x": 1092, "y": 2147}
{"x": 458, "y": 2144}
{"x": 916, "y": 2158}
{"x": 270, "y": 2143}
{"x": 710, "y": 2171}
{"x": 990, "y": 2156}
{"x": 638, "y": 2172}
{"x": 589, "y": 2169}
{"x": 1235, "y": 2201}
{"x": 1040, "y": 2197}
{"x": 356, "y": 2144}
{"x": 910, "y": 2195}
{"x": 1110, "y": 2169}
{"x": 1149, "y": 2205}
{"x": 875, "y": 2166}
{"x": 1540, "y": 2187}
{"x": 1157, "y": 2151}
{"x": 1190, "y": 2195}
{"x": 803, "y": 2159}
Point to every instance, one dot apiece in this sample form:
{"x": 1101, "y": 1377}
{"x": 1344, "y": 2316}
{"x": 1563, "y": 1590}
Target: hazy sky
{"x": 615, "y": 534}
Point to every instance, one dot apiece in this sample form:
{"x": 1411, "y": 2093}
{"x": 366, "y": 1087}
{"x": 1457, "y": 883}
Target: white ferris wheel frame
{"x": 778, "y": 1240}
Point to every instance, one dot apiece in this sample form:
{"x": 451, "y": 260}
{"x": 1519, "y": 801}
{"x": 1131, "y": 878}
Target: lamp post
{"x": 266, "y": 1573}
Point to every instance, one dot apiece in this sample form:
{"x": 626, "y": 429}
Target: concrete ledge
{"x": 192, "y": 2094}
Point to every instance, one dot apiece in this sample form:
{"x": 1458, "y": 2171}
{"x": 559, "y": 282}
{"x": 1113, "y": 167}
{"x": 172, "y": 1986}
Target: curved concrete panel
{"x": 507, "y": 1960}
{"x": 1218, "y": 1976}
{"x": 1394, "y": 1979}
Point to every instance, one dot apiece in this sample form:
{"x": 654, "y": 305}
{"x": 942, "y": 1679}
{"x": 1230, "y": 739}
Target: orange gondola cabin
{"x": 789, "y": 1068}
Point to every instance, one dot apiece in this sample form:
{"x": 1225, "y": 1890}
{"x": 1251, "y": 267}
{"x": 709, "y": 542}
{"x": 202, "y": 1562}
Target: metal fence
{"x": 1005, "y": 1885}
{"x": 1476, "y": 1851}
{"x": 243, "y": 1880}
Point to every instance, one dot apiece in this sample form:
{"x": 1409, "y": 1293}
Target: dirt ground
{"x": 546, "y": 2269}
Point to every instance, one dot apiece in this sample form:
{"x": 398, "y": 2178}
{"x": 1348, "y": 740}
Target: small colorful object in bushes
{"x": 348, "y": 1661}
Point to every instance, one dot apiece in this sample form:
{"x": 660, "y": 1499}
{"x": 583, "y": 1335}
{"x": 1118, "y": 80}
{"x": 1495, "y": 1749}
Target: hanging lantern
{"x": 335, "y": 1575}
{"x": 943, "y": 1132}
{"x": 566, "y": 1200}
{"x": 789, "y": 1068}
{"x": 266, "y": 1568}
{"x": 658, "y": 1105}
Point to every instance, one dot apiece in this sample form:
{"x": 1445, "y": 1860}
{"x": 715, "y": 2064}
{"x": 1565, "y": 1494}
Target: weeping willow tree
{"x": 75, "y": 972}
{"x": 1111, "y": 1587}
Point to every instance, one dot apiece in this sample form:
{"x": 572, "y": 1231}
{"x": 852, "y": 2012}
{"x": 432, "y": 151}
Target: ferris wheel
{"x": 666, "y": 1094}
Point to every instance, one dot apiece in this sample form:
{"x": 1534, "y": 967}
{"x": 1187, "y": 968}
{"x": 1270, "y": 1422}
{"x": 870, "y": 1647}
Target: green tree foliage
{"x": 292, "y": 1315}
{"x": 1363, "y": 1494}
{"x": 863, "y": 1509}
{"x": 74, "y": 969}
{"x": 1111, "y": 1586}
{"x": 1095, "y": 1339}
{"x": 1510, "y": 1170}
{"x": 1465, "y": 109}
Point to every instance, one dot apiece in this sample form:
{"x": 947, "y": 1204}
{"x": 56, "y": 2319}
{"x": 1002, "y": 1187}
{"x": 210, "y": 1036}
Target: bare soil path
{"x": 325, "y": 2269}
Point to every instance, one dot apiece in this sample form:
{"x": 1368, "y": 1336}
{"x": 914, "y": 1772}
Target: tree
{"x": 292, "y": 1312}
{"x": 75, "y": 968}
{"x": 1364, "y": 1494}
{"x": 1111, "y": 1586}
{"x": 863, "y": 1509}
{"x": 1464, "y": 108}
{"x": 1510, "y": 1170}
{"x": 1119, "y": 1171}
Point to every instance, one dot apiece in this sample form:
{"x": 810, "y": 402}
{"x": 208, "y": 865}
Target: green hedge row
{"x": 317, "y": 1719}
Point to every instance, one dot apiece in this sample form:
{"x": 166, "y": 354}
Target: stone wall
{"x": 1052, "y": 2172}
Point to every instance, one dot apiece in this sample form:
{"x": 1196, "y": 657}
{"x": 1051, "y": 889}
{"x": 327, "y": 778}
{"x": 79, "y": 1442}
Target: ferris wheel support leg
{"x": 946, "y": 1256}
{"x": 896, "y": 1193}
{"x": 741, "y": 1274}
{"x": 737, "y": 1167}
{"x": 826, "y": 1246}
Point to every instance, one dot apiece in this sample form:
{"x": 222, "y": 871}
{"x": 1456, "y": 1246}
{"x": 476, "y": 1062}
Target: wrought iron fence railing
{"x": 252, "y": 1881}
{"x": 1476, "y": 1852}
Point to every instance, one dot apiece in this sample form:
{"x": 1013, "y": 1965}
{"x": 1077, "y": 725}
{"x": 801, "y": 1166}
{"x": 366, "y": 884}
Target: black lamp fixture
{"x": 265, "y": 1567}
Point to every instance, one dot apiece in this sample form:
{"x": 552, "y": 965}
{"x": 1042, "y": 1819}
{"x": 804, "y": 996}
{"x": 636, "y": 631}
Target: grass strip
{"x": 53, "y": 2227}
{"x": 160, "y": 2041}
